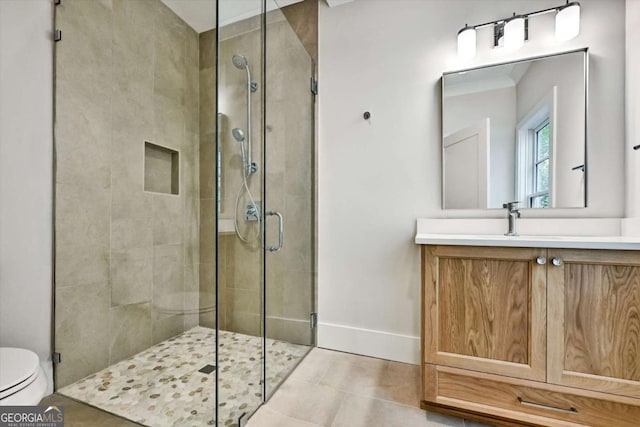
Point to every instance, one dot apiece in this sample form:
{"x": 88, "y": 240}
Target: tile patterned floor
{"x": 334, "y": 389}
{"x": 162, "y": 386}
{"x": 327, "y": 389}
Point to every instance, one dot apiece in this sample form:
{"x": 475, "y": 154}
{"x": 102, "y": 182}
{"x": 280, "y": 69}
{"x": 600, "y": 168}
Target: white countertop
{"x": 569, "y": 233}
{"x": 567, "y": 242}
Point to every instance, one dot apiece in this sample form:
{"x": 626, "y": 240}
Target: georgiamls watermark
{"x": 31, "y": 416}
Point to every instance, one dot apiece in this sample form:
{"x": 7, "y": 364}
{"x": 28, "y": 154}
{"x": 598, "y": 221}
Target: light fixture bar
{"x": 542, "y": 12}
{"x": 525, "y": 15}
{"x": 513, "y": 31}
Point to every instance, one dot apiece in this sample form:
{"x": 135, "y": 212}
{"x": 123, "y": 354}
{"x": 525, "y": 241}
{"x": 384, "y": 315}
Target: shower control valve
{"x": 252, "y": 213}
{"x": 253, "y": 168}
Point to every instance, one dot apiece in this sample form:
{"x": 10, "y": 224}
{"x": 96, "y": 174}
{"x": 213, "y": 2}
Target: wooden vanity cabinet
{"x": 485, "y": 310}
{"x": 532, "y": 336}
{"x": 594, "y": 321}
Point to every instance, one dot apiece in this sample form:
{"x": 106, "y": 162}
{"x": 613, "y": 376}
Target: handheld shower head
{"x": 240, "y": 62}
{"x": 238, "y": 134}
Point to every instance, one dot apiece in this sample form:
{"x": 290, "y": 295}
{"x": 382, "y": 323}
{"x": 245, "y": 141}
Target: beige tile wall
{"x": 290, "y": 185}
{"x": 128, "y": 260}
{"x": 303, "y": 18}
{"x": 207, "y": 237}
{"x": 126, "y": 73}
{"x": 289, "y": 166}
{"x": 240, "y": 278}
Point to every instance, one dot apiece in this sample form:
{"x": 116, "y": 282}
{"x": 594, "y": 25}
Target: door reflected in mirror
{"x": 516, "y": 132}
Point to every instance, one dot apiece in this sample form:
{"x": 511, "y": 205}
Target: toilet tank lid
{"x": 16, "y": 365}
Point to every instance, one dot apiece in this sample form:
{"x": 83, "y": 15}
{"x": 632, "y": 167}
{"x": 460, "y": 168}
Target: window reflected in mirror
{"x": 516, "y": 131}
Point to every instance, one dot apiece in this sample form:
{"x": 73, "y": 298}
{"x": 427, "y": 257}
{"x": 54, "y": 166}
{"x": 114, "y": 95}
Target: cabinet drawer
{"x": 527, "y": 401}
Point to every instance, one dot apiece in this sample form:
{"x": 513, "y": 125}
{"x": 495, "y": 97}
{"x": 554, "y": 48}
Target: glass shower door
{"x": 289, "y": 199}
{"x": 239, "y": 172}
{"x": 264, "y": 204}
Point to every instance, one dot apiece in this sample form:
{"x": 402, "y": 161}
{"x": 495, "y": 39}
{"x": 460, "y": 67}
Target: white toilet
{"x": 22, "y": 379}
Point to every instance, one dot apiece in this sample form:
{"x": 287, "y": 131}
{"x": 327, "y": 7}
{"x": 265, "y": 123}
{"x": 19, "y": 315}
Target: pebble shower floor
{"x": 161, "y": 386}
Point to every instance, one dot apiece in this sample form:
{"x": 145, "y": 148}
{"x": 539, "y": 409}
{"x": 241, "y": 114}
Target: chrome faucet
{"x": 512, "y": 214}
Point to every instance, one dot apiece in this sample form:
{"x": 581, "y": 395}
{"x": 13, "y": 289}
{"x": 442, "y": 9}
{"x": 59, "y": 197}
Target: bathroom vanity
{"x": 531, "y": 330}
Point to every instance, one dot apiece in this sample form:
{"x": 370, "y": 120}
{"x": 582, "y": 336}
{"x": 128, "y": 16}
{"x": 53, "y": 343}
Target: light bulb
{"x": 467, "y": 43}
{"x": 568, "y": 21}
{"x": 514, "y": 32}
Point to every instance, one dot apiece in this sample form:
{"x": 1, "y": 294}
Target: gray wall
{"x": 240, "y": 268}
{"x": 289, "y": 173}
{"x": 632, "y": 99}
{"x": 208, "y": 108}
{"x": 126, "y": 259}
{"x": 26, "y": 148}
{"x": 290, "y": 183}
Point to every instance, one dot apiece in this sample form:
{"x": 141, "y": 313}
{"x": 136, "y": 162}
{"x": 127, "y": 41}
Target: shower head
{"x": 238, "y": 134}
{"x": 240, "y": 62}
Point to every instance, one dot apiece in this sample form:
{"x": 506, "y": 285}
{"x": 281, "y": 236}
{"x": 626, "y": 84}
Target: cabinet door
{"x": 594, "y": 320}
{"x": 484, "y": 309}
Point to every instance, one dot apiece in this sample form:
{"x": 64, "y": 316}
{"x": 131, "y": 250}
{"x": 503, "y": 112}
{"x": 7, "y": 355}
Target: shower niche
{"x": 161, "y": 169}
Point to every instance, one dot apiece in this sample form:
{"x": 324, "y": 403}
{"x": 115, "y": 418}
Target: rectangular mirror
{"x": 516, "y": 131}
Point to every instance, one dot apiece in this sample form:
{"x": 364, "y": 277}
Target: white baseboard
{"x": 367, "y": 342}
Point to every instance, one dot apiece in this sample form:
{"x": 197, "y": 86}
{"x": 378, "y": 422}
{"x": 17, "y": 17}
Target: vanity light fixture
{"x": 513, "y": 31}
{"x": 568, "y": 21}
{"x": 467, "y": 43}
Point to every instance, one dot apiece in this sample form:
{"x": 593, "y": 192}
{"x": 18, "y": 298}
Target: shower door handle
{"x": 280, "y": 231}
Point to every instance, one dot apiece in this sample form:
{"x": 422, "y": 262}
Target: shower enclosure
{"x": 185, "y": 206}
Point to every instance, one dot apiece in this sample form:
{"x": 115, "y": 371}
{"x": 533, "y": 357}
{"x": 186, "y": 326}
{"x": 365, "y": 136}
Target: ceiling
{"x": 201, "y": 14}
